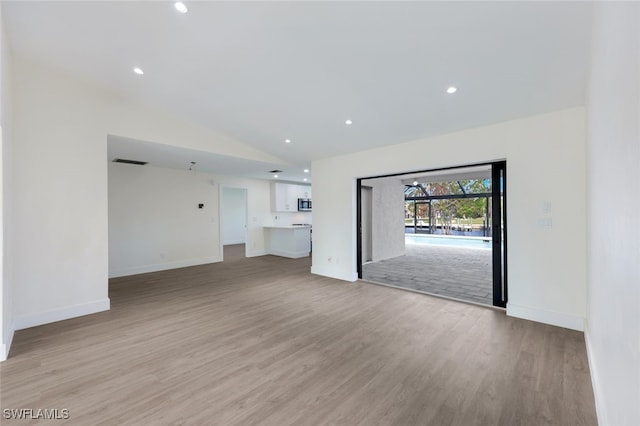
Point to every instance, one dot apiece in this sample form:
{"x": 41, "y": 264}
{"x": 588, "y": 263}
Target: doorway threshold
{"x": 439, "y": 296}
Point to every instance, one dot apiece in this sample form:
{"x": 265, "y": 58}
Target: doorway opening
{"x": 440, "y": 232}
{"x": 233, "y": 223}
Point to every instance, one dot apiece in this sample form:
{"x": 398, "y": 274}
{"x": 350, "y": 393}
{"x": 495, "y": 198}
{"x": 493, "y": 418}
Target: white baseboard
{"x": 559, "y": 319}
{"x": 5, "y": 347}
{"x": 32, "y": 320}
{"x": 229, "y": 242}
{"x": 289, "y": 254}
{"x": 162, "y": 266}
{"x": 597, "y": 393}
{"x": 328, "y": 273}
{"x": 256, "y": 253}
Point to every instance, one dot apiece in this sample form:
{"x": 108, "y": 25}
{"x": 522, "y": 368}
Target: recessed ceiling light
{"x": 306, "y": 170}
{"x": 276, "y": 176}
{"x": 180, "y": 7}
{"x": 138, "y": 71}
{"x": 452, "y": 89}
{"x": 415, "y": 183}
{"x": 287, "y": 141}
{"x": 348, "y": 122}
{"x": 305, "y": 179}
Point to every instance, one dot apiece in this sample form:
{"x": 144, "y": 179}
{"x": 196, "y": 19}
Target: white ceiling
{"x": 160, "y": 155}
{"x": 265, "y": 71}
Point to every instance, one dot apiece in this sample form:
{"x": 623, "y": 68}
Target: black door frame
{"x": 498, "y": 218}
{"x": 499, "y": 232}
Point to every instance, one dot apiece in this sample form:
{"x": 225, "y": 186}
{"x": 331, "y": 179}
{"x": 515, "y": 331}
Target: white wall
{"x": 60, "y": 209}
{"x": 387, "y": 217}
{"x": 155, "y": 223}
{"x": 6, "y": 155}
{"x": 234, "y": 215}
{"x": 287, "y": 218}
{"x": 258, "y": 210}
{"x": 545, "y": 164}
{"x": 60, "y": 186}
{"x": 613, "y": 325}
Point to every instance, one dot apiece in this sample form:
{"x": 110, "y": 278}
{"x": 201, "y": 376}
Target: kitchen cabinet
{"x": 304, "y": 191}
{"x": 281, "y": 201}
{"x": 284, "y": 196}
{"x": 292, "y": 241}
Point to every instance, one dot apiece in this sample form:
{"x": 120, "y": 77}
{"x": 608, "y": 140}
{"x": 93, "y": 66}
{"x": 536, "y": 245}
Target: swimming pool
{"x": 452, "y": 241}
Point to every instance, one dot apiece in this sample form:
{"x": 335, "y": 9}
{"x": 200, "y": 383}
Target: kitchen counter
{"x": 293, "y": 241}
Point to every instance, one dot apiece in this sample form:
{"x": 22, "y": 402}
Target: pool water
{"x": 449, "y": 241}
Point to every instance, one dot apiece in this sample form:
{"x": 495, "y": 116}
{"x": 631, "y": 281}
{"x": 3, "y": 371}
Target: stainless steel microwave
{"x": 304, "y": 204}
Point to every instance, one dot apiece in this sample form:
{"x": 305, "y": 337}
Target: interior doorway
{"x": 233, "y": 222}
{"x": 452, "y": 237}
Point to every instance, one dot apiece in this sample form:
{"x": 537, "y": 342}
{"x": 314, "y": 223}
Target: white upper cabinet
{"x": 280, "y": 199}
{"x": 304, "y": 191}
{"x": 284, "y": 196}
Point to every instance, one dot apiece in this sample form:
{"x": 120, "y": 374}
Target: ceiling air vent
{"x": 275, "y": 171}
{"x": 122, "y": 160}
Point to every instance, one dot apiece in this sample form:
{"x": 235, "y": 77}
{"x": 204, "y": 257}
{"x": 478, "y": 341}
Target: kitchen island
{"x": 293, "y": 241}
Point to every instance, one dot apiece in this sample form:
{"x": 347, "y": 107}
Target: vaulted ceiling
{"x": 264, "y": 72}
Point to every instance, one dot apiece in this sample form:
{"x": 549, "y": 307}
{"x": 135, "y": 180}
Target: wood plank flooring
{"x": 261, "y": 341}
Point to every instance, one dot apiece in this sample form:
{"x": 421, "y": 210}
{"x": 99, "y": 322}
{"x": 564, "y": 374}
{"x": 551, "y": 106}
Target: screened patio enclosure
{"x": 452, "y": 228}
{"x": 458, "y": 204}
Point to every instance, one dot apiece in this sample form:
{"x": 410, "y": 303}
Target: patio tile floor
{"x": 455, "y": 272}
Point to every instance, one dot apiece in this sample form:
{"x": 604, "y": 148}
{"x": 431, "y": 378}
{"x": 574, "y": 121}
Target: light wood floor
{"x": 262, "y": 341}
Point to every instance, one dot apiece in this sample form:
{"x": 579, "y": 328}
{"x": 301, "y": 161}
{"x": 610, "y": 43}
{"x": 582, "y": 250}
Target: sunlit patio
{"x": 462, "y": 273}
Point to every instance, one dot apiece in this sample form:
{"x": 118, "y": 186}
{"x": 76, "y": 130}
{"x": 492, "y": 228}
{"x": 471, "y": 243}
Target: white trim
{"x": 238, "y": 241}
{"x": 559, "y": 319}
{"x": 290, "y": 254}
{"x": 163, "y": 266}
{"x": 32, "y": 320}
{"x": 256, "y": 253}
{"x": 597, "y": 393}
{"x": 6, "y": 347}
{"x": 329, "y": 273}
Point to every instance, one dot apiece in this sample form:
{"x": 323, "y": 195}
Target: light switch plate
{"x": 545, "y": 207}
{"x": 545, "y": 222}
